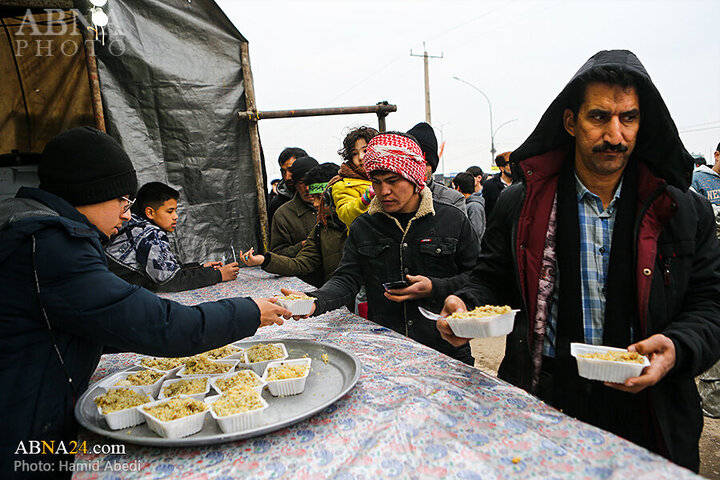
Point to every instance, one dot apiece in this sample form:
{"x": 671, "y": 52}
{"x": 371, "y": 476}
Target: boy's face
{"x": 165, "y": 216}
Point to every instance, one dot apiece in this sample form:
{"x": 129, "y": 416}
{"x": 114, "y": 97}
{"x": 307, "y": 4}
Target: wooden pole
{"x": 95, "y": 97}
{"x": 380, "y": 108}
{"x": 254, "y": 142}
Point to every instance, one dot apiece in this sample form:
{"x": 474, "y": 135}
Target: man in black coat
{"x": 602, "y": 243}
{"x": 61, "y": 305}
{"x": 497, "y": 183}
{"x": 408, "y": 236}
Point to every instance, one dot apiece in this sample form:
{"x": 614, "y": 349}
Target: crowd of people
{"x": 602, "y": 198}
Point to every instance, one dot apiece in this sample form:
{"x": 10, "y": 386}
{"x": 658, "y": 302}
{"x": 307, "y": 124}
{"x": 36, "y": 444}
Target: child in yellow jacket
{"x": 351, "y": 190}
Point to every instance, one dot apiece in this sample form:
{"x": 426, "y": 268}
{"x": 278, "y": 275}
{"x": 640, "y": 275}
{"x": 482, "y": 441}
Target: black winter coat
{"x": 88, "y": 308}
{"x": 439, "y": 243}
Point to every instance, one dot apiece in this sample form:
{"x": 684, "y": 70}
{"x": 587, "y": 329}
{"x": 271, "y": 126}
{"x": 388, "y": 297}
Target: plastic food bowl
{"x": 259, "y": 367}
{"x": 120, "y": 419}
{"x": 297, "y": 307}
{"x": 290, "y": 386}
{"x": 181, "y": 373}
{"x": 481, "y": 327}
{"x": 605, "y": 370}
{"x": 258, "y": 388}
{"x": 151, "y": 390}
{"x": 196, "y": 396}
{"x": 182, "y": 427}
{"x": 170, "y": 373}
{"x": 239, "y": 421}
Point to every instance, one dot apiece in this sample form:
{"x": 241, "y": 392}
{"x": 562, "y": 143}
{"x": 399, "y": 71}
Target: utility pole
{"x": 427, "y": 79}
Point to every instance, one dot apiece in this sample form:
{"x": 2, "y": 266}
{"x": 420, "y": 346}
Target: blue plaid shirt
{"x": 596, "y": 230}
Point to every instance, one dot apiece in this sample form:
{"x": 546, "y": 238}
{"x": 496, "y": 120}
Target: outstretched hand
{"x": 251, "y": 260}
{"x": 285, "y": 291}
{"x": 452, "y": 304}
{"x": 420, "y": 287}
{"x": 269, "y": 312}
{"x": 661, "y": 352}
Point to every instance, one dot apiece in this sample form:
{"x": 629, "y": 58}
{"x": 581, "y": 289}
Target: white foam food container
{"x": 297, "y": 307}
{"x": 181, "y": 372}
{"x": 481, "y": 327}
{"x": 290, "y": 386}
{"x": 239, "y": 355}
{"x": 196, "y": 396}
{"x": 239, "y": 421}
{"x": 259, "y": 367}
{"x": 151, "y": 389}
{"x": 258, "y": 388}
{"x": 171, "y": 373}
{"x": 122, "y": 418}
{"x": 605, "y": 370}
{"x": 179, "y": 428}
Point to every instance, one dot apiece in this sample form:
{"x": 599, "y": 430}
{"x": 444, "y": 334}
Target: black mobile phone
{"x": 395, "y": 285}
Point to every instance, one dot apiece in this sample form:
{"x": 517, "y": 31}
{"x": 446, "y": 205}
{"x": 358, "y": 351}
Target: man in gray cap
{"x": 61, "y": 305}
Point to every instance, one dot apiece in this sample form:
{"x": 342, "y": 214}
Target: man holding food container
{"x": 601, "y": 243}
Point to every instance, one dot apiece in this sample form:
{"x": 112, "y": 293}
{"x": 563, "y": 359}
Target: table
{"x": 415, "y": 413}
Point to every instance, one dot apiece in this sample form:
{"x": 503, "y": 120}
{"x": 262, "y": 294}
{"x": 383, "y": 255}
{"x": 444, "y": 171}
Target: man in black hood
{"x": 600, "y": 242}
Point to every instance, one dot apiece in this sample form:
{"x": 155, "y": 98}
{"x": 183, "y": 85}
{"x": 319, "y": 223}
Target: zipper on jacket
{"x": 513, "y": 240}
{"x": 666, "y": 272}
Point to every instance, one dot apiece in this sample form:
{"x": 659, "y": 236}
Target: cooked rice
{"x": 144, "y": 377}
{"x": 241, "y": 378}
{"x": 202, "y": 365}
{"x": 484, "y": 311}
{"x": 295, "y": 296}
{"x": 176, "y": 408}
{"x": 160, "y": 363}
{"x": 238, "y": 400}
{"x": 262, "y": 353}
{"x": 120, "y": 399}
{"x": 287, "y": 371}
{"x": 222, "y": 352}
{"x": 628, "y": 357}
{"x": 325, "y": 358}
{"x": 185, "y": 387}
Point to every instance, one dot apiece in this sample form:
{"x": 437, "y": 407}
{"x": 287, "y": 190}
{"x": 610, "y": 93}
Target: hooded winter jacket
{"x": 140, "y": 254}
{"x": 675, "y": 279}
{"x": 347, "y": 197}
{"x": 53, "y": 273}
{"x": 438, "y": 243}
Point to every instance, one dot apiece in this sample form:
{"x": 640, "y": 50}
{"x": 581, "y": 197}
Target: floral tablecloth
{"x": 414, "y": 413}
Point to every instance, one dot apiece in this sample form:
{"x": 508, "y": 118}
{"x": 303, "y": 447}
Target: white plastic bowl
{"x": 151, "y": 390}
{"x": 196, "y": 396}
{"x": 182, "y": 427}
{"x": 258, "y": 388}
{"x": 170, "y": 373}
{"x": 239, "y": 355}
{"x": 492, "y": 326}
{"x": 605, "y": 370}
{"x": 297, "y": 307}
{"x": 239, "y": 421}
{"x": 290, "y": 386}
{"x": 259, "y": 367}
{"x": 181, "y": 372}
{"x": 120, "y": 419}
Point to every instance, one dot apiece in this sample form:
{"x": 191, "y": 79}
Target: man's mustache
{"x": 609, "y": 147}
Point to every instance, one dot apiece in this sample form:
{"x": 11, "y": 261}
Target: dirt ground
{"x": 488, "y": 353}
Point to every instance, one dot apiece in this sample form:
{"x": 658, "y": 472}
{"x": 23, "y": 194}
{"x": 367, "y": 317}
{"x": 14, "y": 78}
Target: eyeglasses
{"x": 129, "y": 203}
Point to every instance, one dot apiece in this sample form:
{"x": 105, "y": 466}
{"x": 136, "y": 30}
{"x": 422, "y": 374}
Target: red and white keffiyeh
{"x": 398, "y": 154}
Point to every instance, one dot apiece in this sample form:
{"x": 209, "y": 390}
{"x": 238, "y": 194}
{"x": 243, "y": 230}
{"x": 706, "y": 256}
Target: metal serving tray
{"x": 326, "y": 384}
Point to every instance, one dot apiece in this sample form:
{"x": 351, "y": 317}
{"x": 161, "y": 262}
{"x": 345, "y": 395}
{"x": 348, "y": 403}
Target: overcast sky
{"x": 520, "y": 53}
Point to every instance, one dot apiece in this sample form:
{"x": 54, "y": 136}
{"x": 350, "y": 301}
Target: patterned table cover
{"x": 415, "y": 413}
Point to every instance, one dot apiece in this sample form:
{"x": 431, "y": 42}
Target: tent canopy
{"x": 170, "y": 76}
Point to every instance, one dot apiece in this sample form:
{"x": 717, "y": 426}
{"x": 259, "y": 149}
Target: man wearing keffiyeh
{"x": 404, "y": 236}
